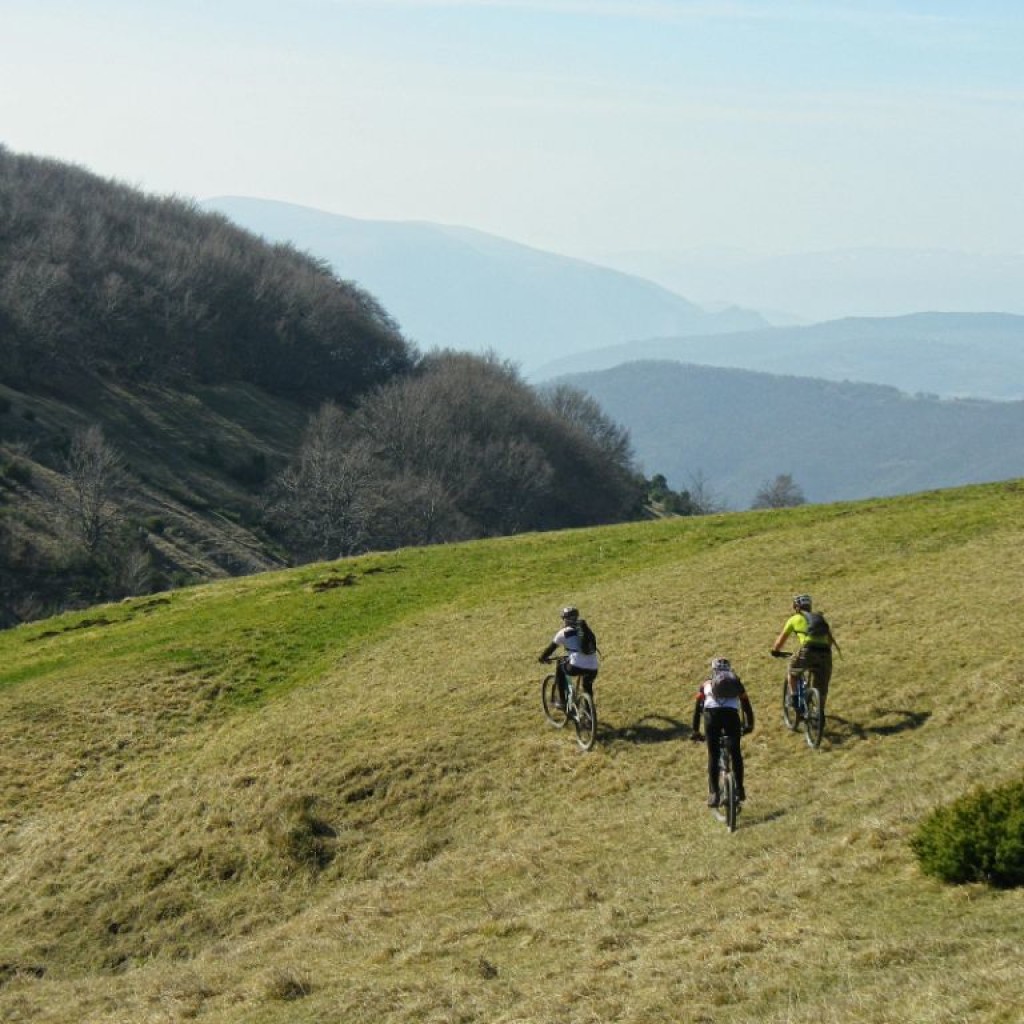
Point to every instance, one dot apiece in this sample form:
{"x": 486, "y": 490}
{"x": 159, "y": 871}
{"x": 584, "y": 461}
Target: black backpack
{"x": 817, "y": 625}
{"x": 588, "y": 640}
{"x": 726, "y": 686}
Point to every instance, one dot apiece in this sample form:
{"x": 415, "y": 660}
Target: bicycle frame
{"x": 803, "y": 703}
{"x": 579, "y": 708}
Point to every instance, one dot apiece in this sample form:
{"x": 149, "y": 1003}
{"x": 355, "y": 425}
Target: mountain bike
{"x": 578, "y": 708}
{"x": 728, "y": 808}
{"x": 803, "y": 706}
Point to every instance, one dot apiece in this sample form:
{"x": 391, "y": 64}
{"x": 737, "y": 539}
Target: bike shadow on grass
{"x": 649, "y": 729}
{"x": 888, "y": 722}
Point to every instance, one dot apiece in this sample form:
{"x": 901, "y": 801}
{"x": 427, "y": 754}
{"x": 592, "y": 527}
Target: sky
{"x": 579, "y": 126}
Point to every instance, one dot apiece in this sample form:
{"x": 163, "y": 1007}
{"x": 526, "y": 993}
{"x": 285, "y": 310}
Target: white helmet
{"x": 720, "y": 665}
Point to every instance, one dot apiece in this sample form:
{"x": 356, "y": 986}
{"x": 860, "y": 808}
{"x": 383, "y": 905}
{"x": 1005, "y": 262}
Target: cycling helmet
{"x": 570, "y": 614}
{"x": 802, "y": 602}
{"x": 720, "y": 665}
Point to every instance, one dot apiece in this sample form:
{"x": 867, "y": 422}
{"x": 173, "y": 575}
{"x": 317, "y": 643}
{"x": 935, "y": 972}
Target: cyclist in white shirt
{"x": 720, "y": 702}
{"x": 578, "y": 661}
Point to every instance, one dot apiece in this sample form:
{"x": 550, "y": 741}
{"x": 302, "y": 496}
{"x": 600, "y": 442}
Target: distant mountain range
{"x": 736, "y": 429}
{"x": 453, "y": 287}
{"x": 978, "y": 355}
{"x": 826, "y": 285}
{"x": 768, "y": 400}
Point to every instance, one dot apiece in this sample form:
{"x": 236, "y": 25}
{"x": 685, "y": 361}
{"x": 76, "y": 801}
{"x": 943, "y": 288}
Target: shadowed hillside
{"x": 316, "y": 795}
{"x": 180, "y": 401}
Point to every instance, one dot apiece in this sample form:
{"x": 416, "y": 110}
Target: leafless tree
{"x": 325, "y": 498}
{"x": 94, "y": 472}
{"x": 782, "y": 492}
{"x": 703, "y": 499}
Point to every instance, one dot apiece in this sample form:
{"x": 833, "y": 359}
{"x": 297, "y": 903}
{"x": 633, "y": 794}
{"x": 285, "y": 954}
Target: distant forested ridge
{"x": 837, "y": 440}
{"x": 181, "y": 400}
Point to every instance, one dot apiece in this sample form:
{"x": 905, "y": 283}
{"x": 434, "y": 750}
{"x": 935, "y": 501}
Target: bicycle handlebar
{"x": 780, "y": 654}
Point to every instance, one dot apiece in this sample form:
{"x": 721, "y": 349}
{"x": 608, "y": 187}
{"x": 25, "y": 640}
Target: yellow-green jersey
{"x": 797, "y": 625}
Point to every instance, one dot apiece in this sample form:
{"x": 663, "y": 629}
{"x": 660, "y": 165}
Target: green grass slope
{"x": 329, "y": 794}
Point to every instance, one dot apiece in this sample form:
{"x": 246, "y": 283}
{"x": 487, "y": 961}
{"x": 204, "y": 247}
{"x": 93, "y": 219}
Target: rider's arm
{"x": 698, "y": 709}
{"x": 547, "y": 652}
{"x": 748, "y": 712}
{"x": 780, "y": 640}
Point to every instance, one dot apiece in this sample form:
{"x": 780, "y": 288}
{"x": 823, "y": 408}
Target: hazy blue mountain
{"x": 978, "y": 355}
{"x": 459, "y": 288}
{"x": 814, "y": 286}
{"x": 738, "y": 429}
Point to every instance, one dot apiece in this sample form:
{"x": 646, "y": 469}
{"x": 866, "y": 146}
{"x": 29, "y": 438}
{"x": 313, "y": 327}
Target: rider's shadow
{"x": 889, "y": 722}
{"x": 649, "y": 729}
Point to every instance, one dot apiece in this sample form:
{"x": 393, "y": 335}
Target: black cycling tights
{"x": 719, "y": 724}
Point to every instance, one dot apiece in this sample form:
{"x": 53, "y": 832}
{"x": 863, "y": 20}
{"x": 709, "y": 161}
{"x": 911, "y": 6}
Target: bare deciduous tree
{"x": 703, "y": 499}
{"x": 94, "y": 472}
{"x": 324, "y": 499}
{"x": 782, "y": 492}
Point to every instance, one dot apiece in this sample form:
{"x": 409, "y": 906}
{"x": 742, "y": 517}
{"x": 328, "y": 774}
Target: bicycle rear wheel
{"x": 790, "y": 716}
{"x": 814, "y": 723}
{"x": 551, "y": 700}
{"x": 585, "y": 721}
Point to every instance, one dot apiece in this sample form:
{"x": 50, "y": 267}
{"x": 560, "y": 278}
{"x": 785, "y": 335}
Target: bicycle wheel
{"x": 727, "y": 792}
{"x": 814, "y": 723}
{"x": 549, "y": 698}
{"x": 790, "y": 717}
{"x": 585, "y": 721}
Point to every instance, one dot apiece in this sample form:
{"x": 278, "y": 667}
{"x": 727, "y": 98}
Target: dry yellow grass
{"x": 346, "y": 806}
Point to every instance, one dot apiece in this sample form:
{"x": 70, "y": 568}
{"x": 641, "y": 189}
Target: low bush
{"x": 978, "y": 838}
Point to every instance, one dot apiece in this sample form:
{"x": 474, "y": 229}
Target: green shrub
{"x": 978, "y": 838}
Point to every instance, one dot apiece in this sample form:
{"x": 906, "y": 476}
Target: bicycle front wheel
{"x": 727, "y": 792}
{"x": 814, "y": 723}
{"x": 586, "y": 721}
{"x": 551, "y": 701}
{"x": 731, "y": 803}
{"x": 790, "y": 717}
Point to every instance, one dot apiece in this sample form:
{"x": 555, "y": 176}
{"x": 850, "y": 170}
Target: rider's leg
{"x": 588, "y": 683}
{"x": 821, "y": 665}
{"x": 560, "y": 681}
{"x": 733, "y": 731}
{"x": 712, "y": 736}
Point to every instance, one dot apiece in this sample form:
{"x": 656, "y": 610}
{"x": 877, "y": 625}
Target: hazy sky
{"x": 580, "y": 127}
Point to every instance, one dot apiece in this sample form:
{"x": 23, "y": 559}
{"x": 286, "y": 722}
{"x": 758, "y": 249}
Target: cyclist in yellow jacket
{"x": 814, "y": 635}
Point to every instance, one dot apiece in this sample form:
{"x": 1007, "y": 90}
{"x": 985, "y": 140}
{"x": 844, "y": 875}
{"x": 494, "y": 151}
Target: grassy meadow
{"x": 329, "y": 795}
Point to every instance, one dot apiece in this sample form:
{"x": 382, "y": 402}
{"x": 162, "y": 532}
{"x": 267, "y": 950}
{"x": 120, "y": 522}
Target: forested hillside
{"x": 181, "y": 400}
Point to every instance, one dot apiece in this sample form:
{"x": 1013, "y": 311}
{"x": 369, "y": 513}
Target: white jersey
{"x": 568, "y": 638}
{"x": 710, "y": 702}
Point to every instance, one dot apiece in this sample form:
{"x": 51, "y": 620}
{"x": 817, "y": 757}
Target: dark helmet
{"x": 570, "y": 614}
{"x": 802, "y": 602}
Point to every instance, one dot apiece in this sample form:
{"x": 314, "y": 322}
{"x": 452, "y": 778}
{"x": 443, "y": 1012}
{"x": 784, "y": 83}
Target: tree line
{"x": 458, "y": 448}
